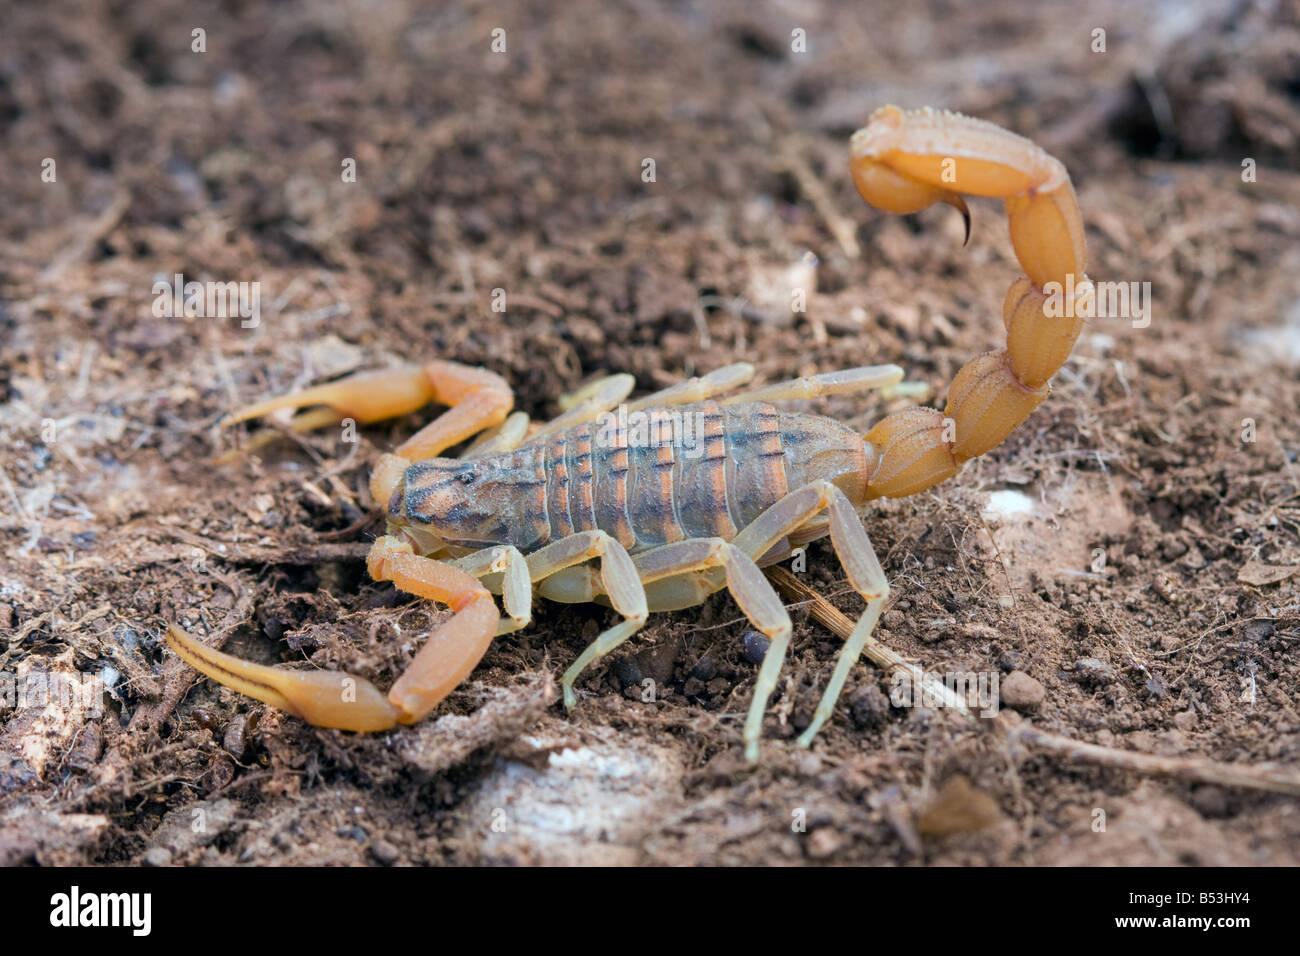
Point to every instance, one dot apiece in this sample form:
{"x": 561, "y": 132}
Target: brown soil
{"x": 1150, "y": 587}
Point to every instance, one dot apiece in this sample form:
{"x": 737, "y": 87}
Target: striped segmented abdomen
{"x": 692, "y": 471}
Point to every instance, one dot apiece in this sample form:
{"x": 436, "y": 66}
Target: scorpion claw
{"x": 367, "y": 397}
{"x": 323, "y": 698}
{"x": 477, "y": 399}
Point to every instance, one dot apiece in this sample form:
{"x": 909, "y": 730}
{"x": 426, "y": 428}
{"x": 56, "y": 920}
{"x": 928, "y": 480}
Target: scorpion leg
{"x": 579, "y": 406}
{"x": 682, "y": 574}
{"x": 750, "y": 589}
{"x": 507, "y": 436}
{"x": 587, "y": 402}
{"x": 604, "y": 394}
{"x": 346, "y": 702}
{"x": 862, "y": 567}
{"x": 477, "y": 398}
{"x": 618, "y": 579}
{"x": 600, "y": 396}
{"x": 697, "y": 389}
{"x": 858, "y": 558}
{"x": 830, "y": 383}
{"x": 503, "y": 570}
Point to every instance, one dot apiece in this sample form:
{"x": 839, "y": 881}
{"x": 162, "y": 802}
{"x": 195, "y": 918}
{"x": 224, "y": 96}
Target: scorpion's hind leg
{"x": 851, "y": 544}
{"x": 673, "y": 568}
{"x": 346, "y": 702}
{"x": 858, "y": 558}
{"x": 478, "y": 399}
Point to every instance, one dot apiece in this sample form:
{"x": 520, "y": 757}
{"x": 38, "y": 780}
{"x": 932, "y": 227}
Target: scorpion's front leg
{"x": 346, "y": 702}
{"x": 478, "y": 399}
{"x": 504, "y": 570}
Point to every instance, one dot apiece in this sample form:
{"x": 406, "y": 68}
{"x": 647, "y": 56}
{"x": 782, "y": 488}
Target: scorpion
{"x": 577, "y": 511}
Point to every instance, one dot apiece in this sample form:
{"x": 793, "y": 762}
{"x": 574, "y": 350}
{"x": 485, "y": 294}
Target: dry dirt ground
{"x": 1133, "y": 549}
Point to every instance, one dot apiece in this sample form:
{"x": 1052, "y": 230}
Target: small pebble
{"x": 958, "y": 808}
{"x": 868, "y": 706}
{"x": 1173, "y": 548}
{"x": 235, "y": 739}
{"x": 157, "y": 856}
{"x": 1210, "y": 801}
{"x": 704, "y": 669}
{"x": 627, "y": 671}
{"x": 1090, "y": 670}
{"x": 823, "y": 843}
{"x": 384, "y": 852}
{"x": 1260, "y": 630}
{"x": 657, "y": 662}
{"x": 1022, "y": 692}
{"x": 756, "y": 646}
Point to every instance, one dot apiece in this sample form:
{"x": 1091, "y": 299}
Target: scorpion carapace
{"x": 706, "y": 486}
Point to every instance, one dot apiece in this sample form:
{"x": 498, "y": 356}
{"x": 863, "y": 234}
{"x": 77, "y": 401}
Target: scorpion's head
{"x": 454, "y": 501}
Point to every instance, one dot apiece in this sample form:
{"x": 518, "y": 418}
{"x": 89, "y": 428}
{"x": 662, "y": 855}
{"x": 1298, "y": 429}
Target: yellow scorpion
{"x": 581, "y": 510}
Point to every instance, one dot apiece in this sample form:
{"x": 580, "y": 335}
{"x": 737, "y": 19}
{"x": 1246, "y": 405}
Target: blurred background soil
{"x": 1133, "y": 549}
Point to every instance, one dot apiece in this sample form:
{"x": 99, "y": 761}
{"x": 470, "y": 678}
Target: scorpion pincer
{"x": 580, "y": 510}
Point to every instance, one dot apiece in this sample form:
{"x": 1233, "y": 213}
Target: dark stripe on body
{"x": 651, "y": 490}
{"x": 757, "y": 458}
{"x": 702, "y": 507}
{"x": 582, "y": 501}
{"x": 557, "y": 486}
{"x": 610, "y": 472}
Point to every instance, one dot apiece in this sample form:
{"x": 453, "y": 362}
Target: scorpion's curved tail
{"x": 903, "y": 162}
